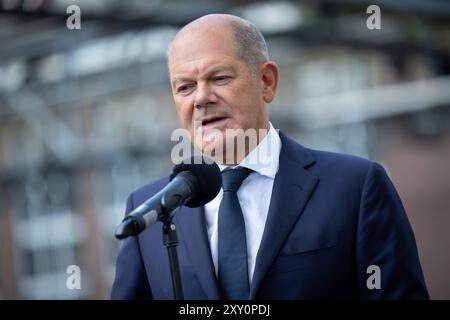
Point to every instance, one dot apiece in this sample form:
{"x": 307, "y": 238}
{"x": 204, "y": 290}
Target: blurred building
{"x": 86, "y": 117}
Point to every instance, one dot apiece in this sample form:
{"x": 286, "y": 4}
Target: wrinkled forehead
{"x": 193, "y": 44}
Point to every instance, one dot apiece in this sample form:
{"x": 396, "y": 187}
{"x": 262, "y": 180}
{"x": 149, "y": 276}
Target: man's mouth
{"x": 212, "y": 121}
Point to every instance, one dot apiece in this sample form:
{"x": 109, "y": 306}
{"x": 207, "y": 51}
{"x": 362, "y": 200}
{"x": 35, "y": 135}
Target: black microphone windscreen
{"x": 208, "y": 176}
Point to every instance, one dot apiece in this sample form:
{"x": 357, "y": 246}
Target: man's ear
{"x": 269, "y": 79}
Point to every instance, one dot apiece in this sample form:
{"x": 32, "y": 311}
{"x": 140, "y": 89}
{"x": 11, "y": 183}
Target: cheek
{"x": 245, "y": 106}
{"x": 237, "y": 99}
{"x": 184, "y": 113}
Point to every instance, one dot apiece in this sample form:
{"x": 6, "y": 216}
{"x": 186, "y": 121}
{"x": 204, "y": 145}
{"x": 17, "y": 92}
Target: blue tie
{"x": 232, "y": 247}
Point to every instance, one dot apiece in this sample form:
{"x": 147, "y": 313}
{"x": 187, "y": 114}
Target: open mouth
{"x": 213, "y": 121}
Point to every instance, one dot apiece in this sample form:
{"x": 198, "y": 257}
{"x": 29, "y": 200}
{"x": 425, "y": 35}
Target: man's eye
{"x": 184, "y": 88}
{"x": 221, "y": 79}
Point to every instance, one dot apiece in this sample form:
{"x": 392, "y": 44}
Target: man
{"x": 299, "y": 223}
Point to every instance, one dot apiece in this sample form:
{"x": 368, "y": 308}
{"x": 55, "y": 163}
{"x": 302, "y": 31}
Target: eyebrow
{"x": 222, "y": 67}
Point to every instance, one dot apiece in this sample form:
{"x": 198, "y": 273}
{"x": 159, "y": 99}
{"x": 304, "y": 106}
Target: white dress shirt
{"x": 254, "y": 196}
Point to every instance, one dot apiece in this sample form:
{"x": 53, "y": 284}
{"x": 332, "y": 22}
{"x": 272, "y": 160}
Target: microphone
{"x": 194, "y": 182}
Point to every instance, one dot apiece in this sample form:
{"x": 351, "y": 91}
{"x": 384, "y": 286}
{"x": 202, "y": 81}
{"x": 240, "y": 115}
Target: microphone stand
{"x": 170, "y": 241}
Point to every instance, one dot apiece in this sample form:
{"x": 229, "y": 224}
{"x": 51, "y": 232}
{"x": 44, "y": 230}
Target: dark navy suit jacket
{"x": 331, "y": 216}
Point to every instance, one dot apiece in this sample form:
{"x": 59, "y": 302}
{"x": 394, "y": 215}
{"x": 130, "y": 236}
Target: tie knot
{"x": 233, "y": 178}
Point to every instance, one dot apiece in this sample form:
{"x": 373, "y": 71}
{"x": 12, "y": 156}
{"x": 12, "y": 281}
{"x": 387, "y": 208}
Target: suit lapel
{"x": 293, "y": 186}
{"x": 192, "y": 226}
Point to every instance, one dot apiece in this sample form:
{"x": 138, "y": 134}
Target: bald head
{"x": 248, "y": 41}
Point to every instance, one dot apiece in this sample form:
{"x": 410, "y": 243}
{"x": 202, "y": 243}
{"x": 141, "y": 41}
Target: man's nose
{"x": 204, "y": 96}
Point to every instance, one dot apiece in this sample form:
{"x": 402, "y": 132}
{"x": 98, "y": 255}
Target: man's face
{"x": 213, "y": 88}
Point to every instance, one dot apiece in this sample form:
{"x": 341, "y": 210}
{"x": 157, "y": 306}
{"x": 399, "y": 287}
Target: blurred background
{"x": 86, "y": 117}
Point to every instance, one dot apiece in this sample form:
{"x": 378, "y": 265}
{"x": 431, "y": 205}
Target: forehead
{"x": 201, "y": 48}
{"x": 204, "y": 66}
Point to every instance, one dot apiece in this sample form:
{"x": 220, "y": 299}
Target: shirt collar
{"x": 264, "y": 158}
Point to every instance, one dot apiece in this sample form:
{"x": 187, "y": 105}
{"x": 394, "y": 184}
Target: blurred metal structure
{"x": 86, "y": 117}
